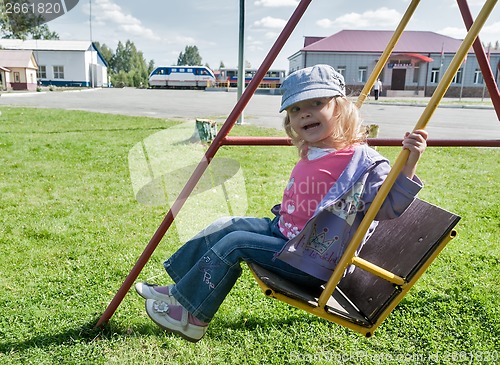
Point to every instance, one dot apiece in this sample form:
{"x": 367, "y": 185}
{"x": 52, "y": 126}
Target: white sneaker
{"x": 147, "y": 291}
{"x": 158, "y": 311}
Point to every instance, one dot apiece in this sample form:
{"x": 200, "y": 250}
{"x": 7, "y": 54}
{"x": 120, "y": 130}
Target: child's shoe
{"x": 176, "y": 319}
{"x": 153, "y": 291}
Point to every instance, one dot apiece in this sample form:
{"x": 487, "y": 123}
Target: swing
{"x": 397, "y": 253}
{"x": 391, "y": 261}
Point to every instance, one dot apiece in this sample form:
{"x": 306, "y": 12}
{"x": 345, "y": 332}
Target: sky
{"x": 161, "y": 29}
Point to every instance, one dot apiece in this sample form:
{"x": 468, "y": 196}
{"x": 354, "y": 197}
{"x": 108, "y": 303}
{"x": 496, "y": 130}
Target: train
{"x": 185, "y": 77}
{"x": 201, "y": 77}
{"x": 229, "y": 77}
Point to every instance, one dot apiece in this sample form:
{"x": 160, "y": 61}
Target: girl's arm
{"x": 415, "y": 142}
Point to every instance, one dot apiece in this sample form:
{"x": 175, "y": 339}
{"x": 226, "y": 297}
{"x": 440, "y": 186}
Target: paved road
{"x": 262, "y": 110}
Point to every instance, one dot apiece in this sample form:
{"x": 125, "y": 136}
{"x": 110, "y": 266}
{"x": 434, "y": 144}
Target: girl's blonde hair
{"x": 347, "y": 127}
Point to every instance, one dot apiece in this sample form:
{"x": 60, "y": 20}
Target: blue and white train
{"x": 272, "y": 78}
{"x": 187, "y": 77}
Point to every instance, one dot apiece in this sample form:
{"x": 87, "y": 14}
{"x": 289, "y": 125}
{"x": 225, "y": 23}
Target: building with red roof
{"x": 415, "y": 66}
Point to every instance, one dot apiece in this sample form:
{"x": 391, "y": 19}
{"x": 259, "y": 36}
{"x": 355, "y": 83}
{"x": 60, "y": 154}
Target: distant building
{"x": 64, "y": 63}
{"x": 17, "y": 70}
{"x": 415, "y": 66}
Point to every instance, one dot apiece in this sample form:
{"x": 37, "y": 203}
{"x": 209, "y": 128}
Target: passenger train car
{"x": 198, "y": 77}
{"x": 272, "y": 79}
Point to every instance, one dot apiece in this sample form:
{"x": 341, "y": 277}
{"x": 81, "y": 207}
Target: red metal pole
{"x": 202, "y": 166}
{"x": 284, "y": 141}
{"x": 439, "y": 142}
{"x": 257, "y": 141}
{"x": 483, "y": 61}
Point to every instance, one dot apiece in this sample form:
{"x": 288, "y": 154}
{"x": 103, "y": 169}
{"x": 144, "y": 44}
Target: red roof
{"x": 376, "y": 41}
{"x": 311, "y": 40}
{"x": 417, "y": 56}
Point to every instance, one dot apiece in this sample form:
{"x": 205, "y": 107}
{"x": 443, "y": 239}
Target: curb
{"x": 459, "y": 106}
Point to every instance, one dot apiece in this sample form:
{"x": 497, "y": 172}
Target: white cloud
{"x": 276, "y": 3}
{"x": 454, "y": 32}
{"x": 489, "y": 33}
{"x": 475, "y": 2}
{"x": 253, "y": 45}
{"x": 492, "y": 30}
{"x": 107, "y": 12}
{"x": 271, "y": 35}
{"x": 179, "y": 40}
{"x": 370, "y": 18}
{"x": 270, "y": 22}
{"x": 325, "y": 23}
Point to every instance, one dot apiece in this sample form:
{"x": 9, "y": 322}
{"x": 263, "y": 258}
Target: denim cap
{"x": 318, "y": 81}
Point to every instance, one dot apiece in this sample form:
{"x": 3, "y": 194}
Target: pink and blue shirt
{"x": 309, "y": 182}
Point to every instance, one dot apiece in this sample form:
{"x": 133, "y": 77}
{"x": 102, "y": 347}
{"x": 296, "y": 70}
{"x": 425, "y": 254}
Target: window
{"x": 457, "y": 79}
{"x": 42, "y": 72}
{"x": 17, "y": 77}
{"x": 435, "y": 75}
{"x": 362, "y": 71}
{"x": 416, "y": 74}
{"x": 58, "y": 72}
{"x": 478, "y": 76}
{"x": 341, "y": 70}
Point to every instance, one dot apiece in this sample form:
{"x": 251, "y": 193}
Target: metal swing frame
{"x": 397, "y": 254}
{"x": 401, "y": 283}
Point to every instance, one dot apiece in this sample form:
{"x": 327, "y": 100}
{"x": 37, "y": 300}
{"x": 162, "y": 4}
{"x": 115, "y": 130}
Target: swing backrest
{"x": 401, "y": 246}
{"x": 405, "y": 246}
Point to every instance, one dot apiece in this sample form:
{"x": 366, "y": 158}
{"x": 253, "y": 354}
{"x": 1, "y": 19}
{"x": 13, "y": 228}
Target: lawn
{"x": 71, "y": 229}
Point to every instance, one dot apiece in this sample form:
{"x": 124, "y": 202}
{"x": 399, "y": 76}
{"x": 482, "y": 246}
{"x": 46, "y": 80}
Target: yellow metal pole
{"x": 443, "y": 85}
{"x": 378, "y": 271}
{"x": 387, "y": 52}
{"x": 407, "y": 286}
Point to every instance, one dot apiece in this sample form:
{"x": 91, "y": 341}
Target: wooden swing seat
{"x": 404, "y": 247}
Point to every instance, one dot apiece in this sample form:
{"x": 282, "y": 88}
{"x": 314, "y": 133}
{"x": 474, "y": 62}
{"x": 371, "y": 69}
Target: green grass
{"x": 71, "y": 230}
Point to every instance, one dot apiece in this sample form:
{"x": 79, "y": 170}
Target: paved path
{"x": 262, "y": 110}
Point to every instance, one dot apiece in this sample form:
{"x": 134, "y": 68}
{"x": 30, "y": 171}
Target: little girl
{"x": 329, "y": 190}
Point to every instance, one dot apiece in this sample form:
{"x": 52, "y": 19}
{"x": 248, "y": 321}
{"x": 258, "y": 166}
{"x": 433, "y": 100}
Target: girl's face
{"x": 313, "y": 121}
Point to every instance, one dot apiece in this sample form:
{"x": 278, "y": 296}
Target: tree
{"x": 23, "y": 25}
{"x": 128, "y": 66}
{"x": 151, "y": 66}
{"x": 43, "y": 32}
{"x": 190, "y": 57}
{"x": 106, "y": 52}
{"x": 221, "y": 65}
{"x": 121, "y": 60}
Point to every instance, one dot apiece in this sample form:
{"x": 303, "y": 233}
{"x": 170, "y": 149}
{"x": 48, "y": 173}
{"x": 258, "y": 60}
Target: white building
{"x": 64, "y": 63}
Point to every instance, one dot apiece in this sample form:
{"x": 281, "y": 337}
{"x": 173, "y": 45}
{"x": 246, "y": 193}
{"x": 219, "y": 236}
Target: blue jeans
{"x": 206, "y": 268}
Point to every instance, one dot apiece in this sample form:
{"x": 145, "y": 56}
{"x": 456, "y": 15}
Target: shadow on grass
{"x": 92, "y": 130}
{"x": 86, "y": 333}
{"x": 253, "y": 322}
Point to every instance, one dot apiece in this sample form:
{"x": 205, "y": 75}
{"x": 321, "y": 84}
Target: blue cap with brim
{"x": 319, "y": 81}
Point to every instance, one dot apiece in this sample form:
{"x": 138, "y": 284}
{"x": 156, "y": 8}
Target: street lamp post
{"x": 241, "y": 57}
